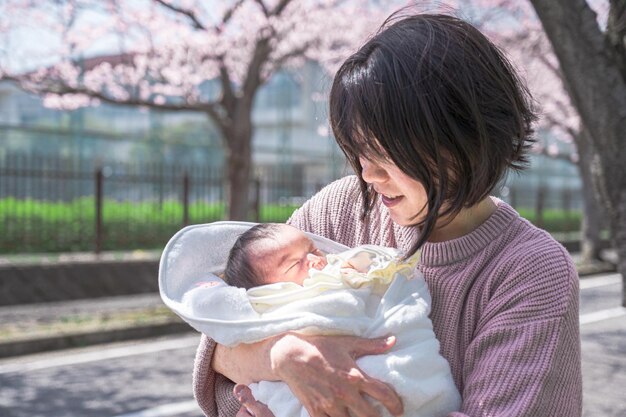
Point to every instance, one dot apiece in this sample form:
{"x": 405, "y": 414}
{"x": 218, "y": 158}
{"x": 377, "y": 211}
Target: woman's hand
{"x": 249, "y": 406}
{"x": 322, "y": 373}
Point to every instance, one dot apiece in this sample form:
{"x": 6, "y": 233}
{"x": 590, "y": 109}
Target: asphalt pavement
{"x": 161, "y": 386}
{"x": 33, "y": 328}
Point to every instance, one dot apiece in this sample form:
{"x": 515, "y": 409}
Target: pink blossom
{"x": 323, "y": 130}
{"x": 553, "y": 150}
{"x": 66, "y": 101}
{"x": 159, "y": 100}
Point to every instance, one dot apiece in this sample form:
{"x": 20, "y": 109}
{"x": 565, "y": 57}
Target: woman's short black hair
{"x": 431, "y": 93}
{"x": 240, "y": 272}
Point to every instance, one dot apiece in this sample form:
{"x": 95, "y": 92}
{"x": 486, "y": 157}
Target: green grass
{"x": 553, "y": 220}
{"x": 32, "y": 226}
{"x": 29, "y": 226}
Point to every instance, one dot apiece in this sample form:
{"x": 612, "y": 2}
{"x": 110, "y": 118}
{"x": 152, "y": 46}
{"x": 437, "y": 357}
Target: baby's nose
{"x": 314, "y": 261}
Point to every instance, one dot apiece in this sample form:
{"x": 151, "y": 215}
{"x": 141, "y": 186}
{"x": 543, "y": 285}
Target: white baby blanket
{"x": 413, "y": 367}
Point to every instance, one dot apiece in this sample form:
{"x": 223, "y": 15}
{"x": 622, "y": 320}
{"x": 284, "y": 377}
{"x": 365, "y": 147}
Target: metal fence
{"x": 56, "y": 204}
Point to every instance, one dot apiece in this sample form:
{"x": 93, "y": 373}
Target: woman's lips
{"x": 391, "y": 201}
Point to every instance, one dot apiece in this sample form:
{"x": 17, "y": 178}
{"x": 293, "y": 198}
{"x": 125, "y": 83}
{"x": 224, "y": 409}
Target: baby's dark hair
{"x": 432, "y": 94}
{"x": 239, "y": 270}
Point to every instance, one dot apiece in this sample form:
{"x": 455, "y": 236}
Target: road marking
{"x": 101, "y": 354}
{"x": 600, "y": 281}
{"x": 597, "y": 316}
{"x": 166, "y": 410}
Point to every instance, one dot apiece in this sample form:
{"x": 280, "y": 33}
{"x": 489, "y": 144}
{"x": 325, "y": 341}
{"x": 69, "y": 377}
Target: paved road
{"x": 152, "y": 378}
{"x": 102, "y": 381}
{"x": 603, "y": 335}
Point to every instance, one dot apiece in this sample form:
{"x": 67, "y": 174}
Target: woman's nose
{"x": 372, "y": 172}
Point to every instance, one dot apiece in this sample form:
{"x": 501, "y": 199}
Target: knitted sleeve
{"x": 524, "y": 359}
{"x": 212, "y": 391}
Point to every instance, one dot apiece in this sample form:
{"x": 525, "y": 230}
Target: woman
{"x": 431, "y": 116}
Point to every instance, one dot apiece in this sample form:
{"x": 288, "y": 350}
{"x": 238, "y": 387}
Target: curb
{"x": 45, "y": 344}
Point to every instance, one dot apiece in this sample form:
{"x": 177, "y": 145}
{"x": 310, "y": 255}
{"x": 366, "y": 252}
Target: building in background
{"x": 291, "y": 141}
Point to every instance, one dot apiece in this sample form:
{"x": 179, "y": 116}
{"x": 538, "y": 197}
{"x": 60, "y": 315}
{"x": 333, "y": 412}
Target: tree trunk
{"x": 597, "y": 85}
{"x": 239, "y": 162}
{"x": 238, "y": 183}
{"x": 593, "y": 213}
{"x": 619, "y": 230}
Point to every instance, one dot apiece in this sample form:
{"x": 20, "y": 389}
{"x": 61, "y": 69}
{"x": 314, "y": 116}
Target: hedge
{"x": 29, "y": 226}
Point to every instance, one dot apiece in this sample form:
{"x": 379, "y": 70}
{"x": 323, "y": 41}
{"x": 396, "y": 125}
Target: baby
{"x": 280, "y": 281}
{"x": 269, "y": 253}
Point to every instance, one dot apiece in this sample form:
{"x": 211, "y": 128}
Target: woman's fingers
{"x": 243, "y": 412}
{"x": 249, "y": 405}
{"x": 376, "y": 389}
{"x": 322, "y": 373}
{"x": 383, "y": 393}
{"x": 364, "y": 347}
{"x": 336, "y": 407}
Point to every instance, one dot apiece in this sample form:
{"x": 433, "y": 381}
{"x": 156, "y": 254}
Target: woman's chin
{"x": 399, "y": 219}
{"x": 404, "y": 219}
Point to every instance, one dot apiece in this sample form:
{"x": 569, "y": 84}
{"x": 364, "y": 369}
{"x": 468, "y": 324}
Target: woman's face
{"x": 403, "y": 196}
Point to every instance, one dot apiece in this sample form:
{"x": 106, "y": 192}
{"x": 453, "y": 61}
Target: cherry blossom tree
{"x": 588, "y": 43}
{"x": 593, "y": 62}
{"x": 533, "y": 52}
{"x": 515, "y": 26}
{"x": 163, "y": 53}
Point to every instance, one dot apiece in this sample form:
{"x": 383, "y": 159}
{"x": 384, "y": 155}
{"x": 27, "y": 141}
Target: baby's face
{"x": 288, "y": 256}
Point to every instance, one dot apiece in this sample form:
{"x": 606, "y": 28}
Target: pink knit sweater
{"x": 505, "y": 309}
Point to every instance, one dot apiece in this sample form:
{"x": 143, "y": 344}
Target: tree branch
{"x": 185, "y": 12}
{"x": 63, "y": 89}
{"x": 280, "y": 7}
{"x": 616, "y": 33}
{"x": 227, "y": 16}
{"x": 596, "y": 86}
{"x": 263, "y": 7}
{"x": 253, "y": 77}
{"x": 230, "y": 12}
{"x": 554, "y": 122}
{"x": 279, "y": 62}
{"x": 229, "y": 100}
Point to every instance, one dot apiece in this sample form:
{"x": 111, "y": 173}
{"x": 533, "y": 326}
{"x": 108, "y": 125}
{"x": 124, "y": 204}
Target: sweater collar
{"x": 451, "y": 251}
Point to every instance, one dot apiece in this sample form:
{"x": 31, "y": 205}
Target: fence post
{"x": 513, "y": 196}
{"x": 256, "y": 199}
{"x": 99, "y": 180}
{"x": 540, "y": 204}
{"x": 567, "y": 207}
{"x": 185, "y": 199}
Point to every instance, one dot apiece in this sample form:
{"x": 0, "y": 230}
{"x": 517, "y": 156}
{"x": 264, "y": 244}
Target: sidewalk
{"x": 604, "y": 368}
{"x": 33, "y": 328}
